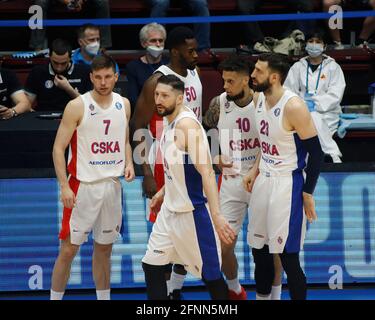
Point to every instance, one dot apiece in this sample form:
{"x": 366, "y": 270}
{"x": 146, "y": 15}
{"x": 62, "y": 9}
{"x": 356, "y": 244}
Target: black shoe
{"x": 175, "y": 295}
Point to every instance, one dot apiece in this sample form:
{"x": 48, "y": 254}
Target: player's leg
{"x": 105, "y": 232}
{"x": 76, "y": 224}
{"x": 61, "y": 269}
{"x": 156, "y": 286}
{"x": 234, "y": 204}
{"x": 277, "y": 280}
{"x": 287, "y": 227}
{"x": 263, "y": 272}
{"x": 101, "y": 269}
{"x": 197, "y": 246}
{"x": 209, "y": 251}
{"x": 217, "y": 288}
{"x": 159, "y": 254}
{"x": 257, "y": 236}
{"x": 176, "y": 281}
{"x": 296, "y": 278}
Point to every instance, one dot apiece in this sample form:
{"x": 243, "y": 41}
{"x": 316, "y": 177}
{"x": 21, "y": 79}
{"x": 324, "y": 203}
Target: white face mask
{"x": 314, "y": 49}
{"x": 155, "y": 51}
{"x": 93, "y": 48}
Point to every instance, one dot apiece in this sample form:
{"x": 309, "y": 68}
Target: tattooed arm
{"x": 211, "y": 117}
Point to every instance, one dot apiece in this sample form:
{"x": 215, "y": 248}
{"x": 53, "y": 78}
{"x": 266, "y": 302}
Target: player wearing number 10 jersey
{"x": 95, "y": 125}
{"x": 232, "y": 113}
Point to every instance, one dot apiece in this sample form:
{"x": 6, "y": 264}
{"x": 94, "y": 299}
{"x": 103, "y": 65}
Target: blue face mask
{"x": 314, "y": 49}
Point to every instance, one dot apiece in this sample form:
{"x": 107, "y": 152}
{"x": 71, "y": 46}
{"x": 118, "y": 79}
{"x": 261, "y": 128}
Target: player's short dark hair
{"x": 173, "y": 81}
{"x": 81, "y": 30}
{"x": 60, "y": 47}
{"x": 319, "y": 34}
{"x": 237, "y": 64}
{"x": 178, "y": 36}
{"x": 103, "y": 61}
{"x": 278, "y": 63}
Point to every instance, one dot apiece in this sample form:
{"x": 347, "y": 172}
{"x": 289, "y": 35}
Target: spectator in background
{"x": 152, "y": 38}
{"x": 13, "y": 100}
{"x": 197, "y": 8}
{"x": 89, "y": 41}
{"x": 319, "y": 80}
{"x": 38, "y": 39}
{"x": 254, "y": 36}
{"x": 53, "y": 85}
{"x": 368, "y": 27}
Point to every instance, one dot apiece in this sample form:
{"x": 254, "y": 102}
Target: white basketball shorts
{"x": 186, "y": 238}
{"x": 234, "y": 201}
{"x": 277, "y": 215}
{"x": 98, "y": 208}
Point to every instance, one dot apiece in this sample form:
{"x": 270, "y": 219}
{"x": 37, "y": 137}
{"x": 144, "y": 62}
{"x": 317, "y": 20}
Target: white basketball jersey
{"x": 282, "y": 151}
{"x": 97, "y": 147}
{"x": 238, "y": 135}
{"x": 183, "y": 183}
{"x": 193, "y": 89}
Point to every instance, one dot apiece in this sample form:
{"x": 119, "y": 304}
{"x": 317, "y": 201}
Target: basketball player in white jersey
{"x": 281, "y": 194}
{"x": 232, "y": 113}
{"x": 187, "y": 231}
{"x": 183, "y": 63}
{"x": 95, "y": 126}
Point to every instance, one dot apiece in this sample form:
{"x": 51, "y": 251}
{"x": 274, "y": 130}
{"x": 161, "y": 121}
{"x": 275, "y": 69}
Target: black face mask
{"x": 236, "y": 97}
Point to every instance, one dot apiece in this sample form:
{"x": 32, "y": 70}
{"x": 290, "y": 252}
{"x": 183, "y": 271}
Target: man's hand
{"x": 149, "y": 186}
{"x": 67, "y": 197}
{"x": 309, "y": 206}
{"x": 223, "y": 161}
{"x": 157, "y": 201}
{"x": 249, "y": 179}
{"x": 129, "y": 173}
{"x": 62, "y": 83}
{"x": 5, "y": 113}
{"x": 223, "y": 229}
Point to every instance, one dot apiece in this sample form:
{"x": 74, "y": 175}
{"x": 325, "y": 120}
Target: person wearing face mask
{"x": 152, "y": 38}
{"x": 89, "y": 41}
{"x": 320, "y": 81}
{"x": 53, "y": 85}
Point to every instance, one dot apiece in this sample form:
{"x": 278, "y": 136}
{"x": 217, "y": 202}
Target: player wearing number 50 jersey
{"x": 95, "y": 126}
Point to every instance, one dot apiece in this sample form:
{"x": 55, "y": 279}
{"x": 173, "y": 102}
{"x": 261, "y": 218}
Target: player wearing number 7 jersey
{"x": 95, "y": 126}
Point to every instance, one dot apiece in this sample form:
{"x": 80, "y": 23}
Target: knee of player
{"x": 68, "y": 252}
{"x": 102, "y": 250}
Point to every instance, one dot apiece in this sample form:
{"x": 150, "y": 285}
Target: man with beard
{"x": 187, "y": 230}
{"x": 53, "y": 85}
{"x": 232, "y": 113}
{"x": 95, "y": 126}
{"x": 183, "y": 61}
{"x": 280, "y": 193}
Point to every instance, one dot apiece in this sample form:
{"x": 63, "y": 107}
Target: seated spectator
{"x": 197, "y": 8}
{"x": 254, "y": 36}
{"x": 38, "y": 39}
{"x": 368, "y": 26}
{"x": 319, "y": 80}
{"x": 13, "y": 100}
{"x": 52, "y": 86}
{"x": 89, "y": 41}
{"x": 152, "y": 37}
